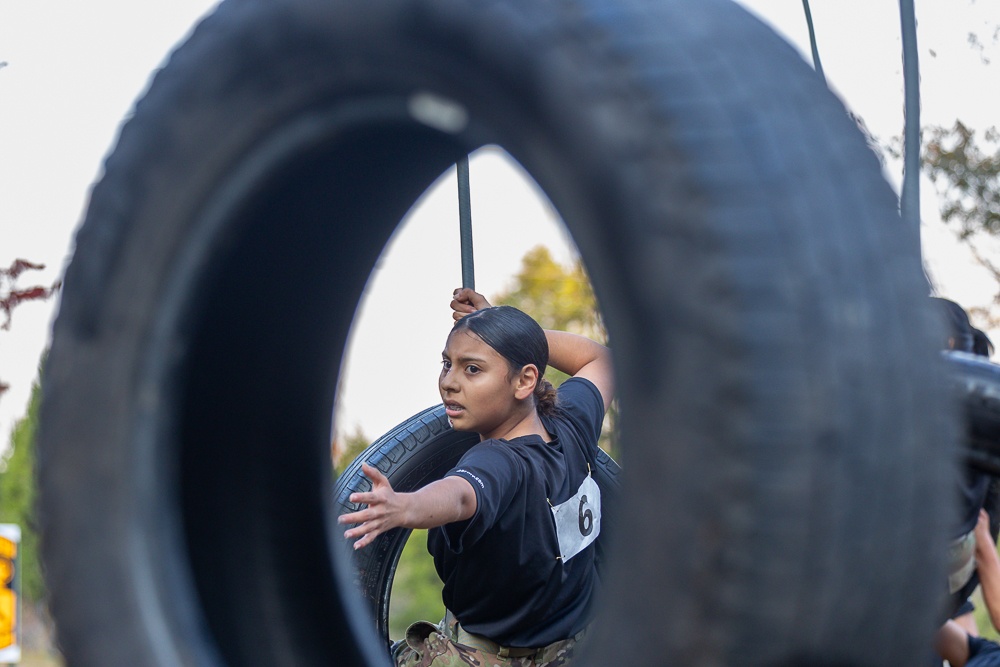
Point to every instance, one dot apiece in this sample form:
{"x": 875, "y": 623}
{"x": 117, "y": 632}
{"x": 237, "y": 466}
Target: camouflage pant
{"x": 428, "y": 645}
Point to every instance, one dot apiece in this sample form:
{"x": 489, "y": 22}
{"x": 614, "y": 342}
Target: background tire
{"x": 787, "y": 477}
{"x": 976, "y": 383}
{"x": 418, "y": 451}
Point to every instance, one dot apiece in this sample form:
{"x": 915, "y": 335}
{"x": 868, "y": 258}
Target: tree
{"x": 968, "y": 177}
{"x": 11, "y": 296}
{"x": 556, "y": 296}
{"x": 966, "y": 171}
{"x": 17, "y": 496}
{"x": 345, "y": 452}
{"x": 562, "y": 298}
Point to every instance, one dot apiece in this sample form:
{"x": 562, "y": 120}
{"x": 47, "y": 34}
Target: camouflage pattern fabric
{"x": 428, "y": 645}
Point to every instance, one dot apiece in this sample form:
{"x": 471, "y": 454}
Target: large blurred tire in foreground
{"x": 786, "y": 474}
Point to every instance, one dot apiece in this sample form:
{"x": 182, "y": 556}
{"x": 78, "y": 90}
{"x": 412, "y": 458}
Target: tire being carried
{"x": 976, "y": 384}
{"x": 784, "y": 438}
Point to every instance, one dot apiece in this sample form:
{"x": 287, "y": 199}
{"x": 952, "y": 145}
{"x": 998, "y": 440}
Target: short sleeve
{"x": 495, "y": 474}
{"x": 979, "y": 646}
{"x": 582, "y": 404}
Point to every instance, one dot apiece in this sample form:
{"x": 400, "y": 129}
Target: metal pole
{"x": 465, "y": 224}
{"x": 817, "y": 65}
{"x": 910, "y": 198}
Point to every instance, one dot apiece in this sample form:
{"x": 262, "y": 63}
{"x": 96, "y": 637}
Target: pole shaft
{"x": 910, "y": 198}
{"x": 817, "y": 65}
{"x": 465, "y": 224}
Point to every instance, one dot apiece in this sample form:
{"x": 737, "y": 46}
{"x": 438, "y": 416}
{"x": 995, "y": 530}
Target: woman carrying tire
{"x": 514, "y": 524}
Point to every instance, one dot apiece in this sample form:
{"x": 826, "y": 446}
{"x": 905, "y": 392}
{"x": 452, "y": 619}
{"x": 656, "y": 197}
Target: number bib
{"x": 578, "y": 520}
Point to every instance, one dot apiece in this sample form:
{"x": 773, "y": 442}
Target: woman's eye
{"x": 472, "y": 369}
{"x": 445, "y": 364}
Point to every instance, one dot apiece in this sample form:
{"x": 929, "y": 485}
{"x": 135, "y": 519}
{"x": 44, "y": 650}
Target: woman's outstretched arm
{"x": 444, "y": 501}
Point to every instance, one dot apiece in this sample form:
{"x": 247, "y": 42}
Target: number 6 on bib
{"x": 578, "y": 520}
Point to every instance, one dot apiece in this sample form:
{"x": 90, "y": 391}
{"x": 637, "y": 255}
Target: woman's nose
{"x": 447, "y": 380}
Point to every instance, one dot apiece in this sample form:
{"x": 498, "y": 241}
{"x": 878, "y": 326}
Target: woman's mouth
{"x": 453, "y": 409}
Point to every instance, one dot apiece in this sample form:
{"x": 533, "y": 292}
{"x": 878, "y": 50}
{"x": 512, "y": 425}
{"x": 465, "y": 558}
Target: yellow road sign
{"x": 10, "y": 593}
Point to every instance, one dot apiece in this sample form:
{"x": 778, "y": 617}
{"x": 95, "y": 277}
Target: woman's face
{"x": 477, "y": 387}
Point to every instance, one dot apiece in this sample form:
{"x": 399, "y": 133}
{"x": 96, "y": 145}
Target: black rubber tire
{"x": 783, "y": 420}
{"x": 413, "y": 454}
{"x": 976, "y": 383}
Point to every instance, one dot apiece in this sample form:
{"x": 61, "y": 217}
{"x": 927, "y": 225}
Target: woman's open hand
{"x": 386, "y": 509}
{"x": 440, "y": 502}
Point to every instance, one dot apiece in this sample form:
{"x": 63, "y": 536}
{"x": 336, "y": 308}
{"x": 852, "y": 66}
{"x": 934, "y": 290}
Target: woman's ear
{"x": 526, "y": 381}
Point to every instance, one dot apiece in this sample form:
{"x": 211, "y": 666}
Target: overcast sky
{"x": 75, "y": 68}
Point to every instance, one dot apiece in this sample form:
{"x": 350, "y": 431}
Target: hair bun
{"x": 545, "y": 397}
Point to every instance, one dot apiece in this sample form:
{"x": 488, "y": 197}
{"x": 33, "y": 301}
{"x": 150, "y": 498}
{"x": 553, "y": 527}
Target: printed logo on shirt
{"x": 578, "y": 520}
{"x": 466, "y": 472}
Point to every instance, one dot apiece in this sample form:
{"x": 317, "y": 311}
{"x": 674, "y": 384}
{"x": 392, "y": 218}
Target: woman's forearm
{"x": 581, "y": 357}
{"x": 444, "y": 501}
{"x": 570, "y": 353}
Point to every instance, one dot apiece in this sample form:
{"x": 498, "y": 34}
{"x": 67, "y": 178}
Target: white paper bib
{"x": 578, "y": 520}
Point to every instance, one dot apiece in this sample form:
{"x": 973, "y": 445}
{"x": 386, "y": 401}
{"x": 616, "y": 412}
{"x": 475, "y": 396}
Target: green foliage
{"x": 416, "y": 589}
{"x": 967, "y": 176}
{"x": 556, "y": 296}
{"x": 353, "y": 445}
{"x": 982, "y": 616}
{"x": 17, "y": 496}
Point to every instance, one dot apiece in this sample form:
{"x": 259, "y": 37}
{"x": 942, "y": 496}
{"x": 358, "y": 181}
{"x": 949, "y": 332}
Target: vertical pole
{"x": 465, "y": 224}
{"x": 817, "y": 65}
{"x": 909, "y": 204}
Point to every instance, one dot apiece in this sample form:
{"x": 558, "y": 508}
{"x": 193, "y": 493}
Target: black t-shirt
{"x": 983, "y": 653}
{"x": 504, "y": 576}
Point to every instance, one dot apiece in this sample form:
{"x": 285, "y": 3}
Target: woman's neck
{"x": 530, "y": 424}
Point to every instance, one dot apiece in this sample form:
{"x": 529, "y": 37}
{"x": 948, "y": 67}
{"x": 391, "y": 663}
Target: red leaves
{"x": 18, "y": 267}
{"x": 11, "y": 296}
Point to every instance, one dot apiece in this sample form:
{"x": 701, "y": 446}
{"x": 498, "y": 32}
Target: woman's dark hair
{"x": 960, "y": 330}
{"x": 981, "y": 344}
{"x": 519, "y": 339}
{"x": 964, "y": 336}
